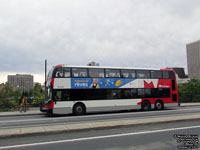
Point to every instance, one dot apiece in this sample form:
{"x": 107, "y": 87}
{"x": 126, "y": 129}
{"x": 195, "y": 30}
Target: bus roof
{"x": 104, "y": 67}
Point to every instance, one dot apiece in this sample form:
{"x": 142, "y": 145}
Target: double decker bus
{"x": 82, "y": 89}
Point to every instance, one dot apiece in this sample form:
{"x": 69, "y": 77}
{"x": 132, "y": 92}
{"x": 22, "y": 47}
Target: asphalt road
{"x": 41, "y": 120}
{"x": 166, "y": 136}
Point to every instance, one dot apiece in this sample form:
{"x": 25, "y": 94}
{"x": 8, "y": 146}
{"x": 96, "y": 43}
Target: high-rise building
{"x": 193, "y": 59}
{"x": 21, "y": 81}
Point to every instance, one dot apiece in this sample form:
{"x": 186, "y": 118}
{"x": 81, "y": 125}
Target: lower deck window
{"x": 102, "y": 94}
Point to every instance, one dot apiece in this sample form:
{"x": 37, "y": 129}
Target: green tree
{"x": 190, "y": 90}
{"x": 37, "y": 94}
{"x": 6, "y": 94}
{"x": 17, "y": 95}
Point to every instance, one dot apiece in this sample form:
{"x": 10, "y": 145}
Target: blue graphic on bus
{"x": 99, "y": 82}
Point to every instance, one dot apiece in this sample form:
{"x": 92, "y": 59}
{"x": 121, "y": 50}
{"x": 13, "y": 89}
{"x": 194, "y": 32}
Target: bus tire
{"x": 159, "y": 105}
{"x": 79, "y": 109}
{"x": 146, "y": 105}
{"x": 50, "y": 113}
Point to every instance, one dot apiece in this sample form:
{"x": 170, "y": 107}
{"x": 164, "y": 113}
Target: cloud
{"x": 112, "y": 32}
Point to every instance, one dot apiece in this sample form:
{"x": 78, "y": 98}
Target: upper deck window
{"x": 128, "y": 73}
{"x": 171, "y": 75}
{"x": 143, "y": 74}
{"x": 62, "y": 73}
{"x": 168, "y": 75}
{"x": 67, "y": 72}
{"x": 155, "y": 74}
{"x": 112, "y": 73}
{"x": 59, "y": 74}
{"x": 79, "y": 72}
{"x": 165, "y": 74}
{"x": 98, "y": 73}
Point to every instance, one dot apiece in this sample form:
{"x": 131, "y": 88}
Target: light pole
{"x": 45, "y": 75}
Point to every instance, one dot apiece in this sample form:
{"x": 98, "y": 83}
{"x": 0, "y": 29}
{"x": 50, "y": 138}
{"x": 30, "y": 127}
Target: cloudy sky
{"x": 133, "y": 33}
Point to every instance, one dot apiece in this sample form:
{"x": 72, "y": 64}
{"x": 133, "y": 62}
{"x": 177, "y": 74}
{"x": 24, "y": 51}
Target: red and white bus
{"x": 82, "y": 89}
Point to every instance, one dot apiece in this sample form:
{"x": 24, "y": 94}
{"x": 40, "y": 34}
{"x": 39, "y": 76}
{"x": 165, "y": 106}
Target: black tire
{"x": 79, "y": 109}
{"x": 50, "y": 113}
{"x": 159, "y": 105}
{"x": 146, "y": 105}
{"x": 41, "y": 107}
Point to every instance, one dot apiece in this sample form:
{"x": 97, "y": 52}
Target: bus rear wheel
{"x": 79, "y": 109}
{"x": 146, "y": 105}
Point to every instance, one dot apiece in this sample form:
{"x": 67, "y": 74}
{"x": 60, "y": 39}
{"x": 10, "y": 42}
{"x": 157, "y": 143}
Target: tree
{"x": 17, "y": 95}
{"x": 9, "y": 98}
{"x": 37, "y": 94}
{"x": 6, "y": 94}
{"x": 190, "y": 90}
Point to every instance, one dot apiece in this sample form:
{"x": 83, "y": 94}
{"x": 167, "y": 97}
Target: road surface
{"x": 166, "y": 136}
{"x": 42, "y": 120}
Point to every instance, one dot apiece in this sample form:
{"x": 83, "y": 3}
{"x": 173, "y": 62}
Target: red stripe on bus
{"x": 52, "y": 82}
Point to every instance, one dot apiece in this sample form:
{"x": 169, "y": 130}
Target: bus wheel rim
{"x": 79, "y": 109}
{"x": 158, "y": 105}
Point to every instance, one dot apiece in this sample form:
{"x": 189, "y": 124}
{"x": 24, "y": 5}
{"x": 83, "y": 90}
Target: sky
{"x": 123, "y": 33}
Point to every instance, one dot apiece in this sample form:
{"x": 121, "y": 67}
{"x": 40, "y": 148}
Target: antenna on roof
{"x": 45, "y": 75}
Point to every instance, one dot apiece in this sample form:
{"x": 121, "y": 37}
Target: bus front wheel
{"x": 50, "y": 113}
{"x": 146, "y": 105}
{"x": 79, "y": 109}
